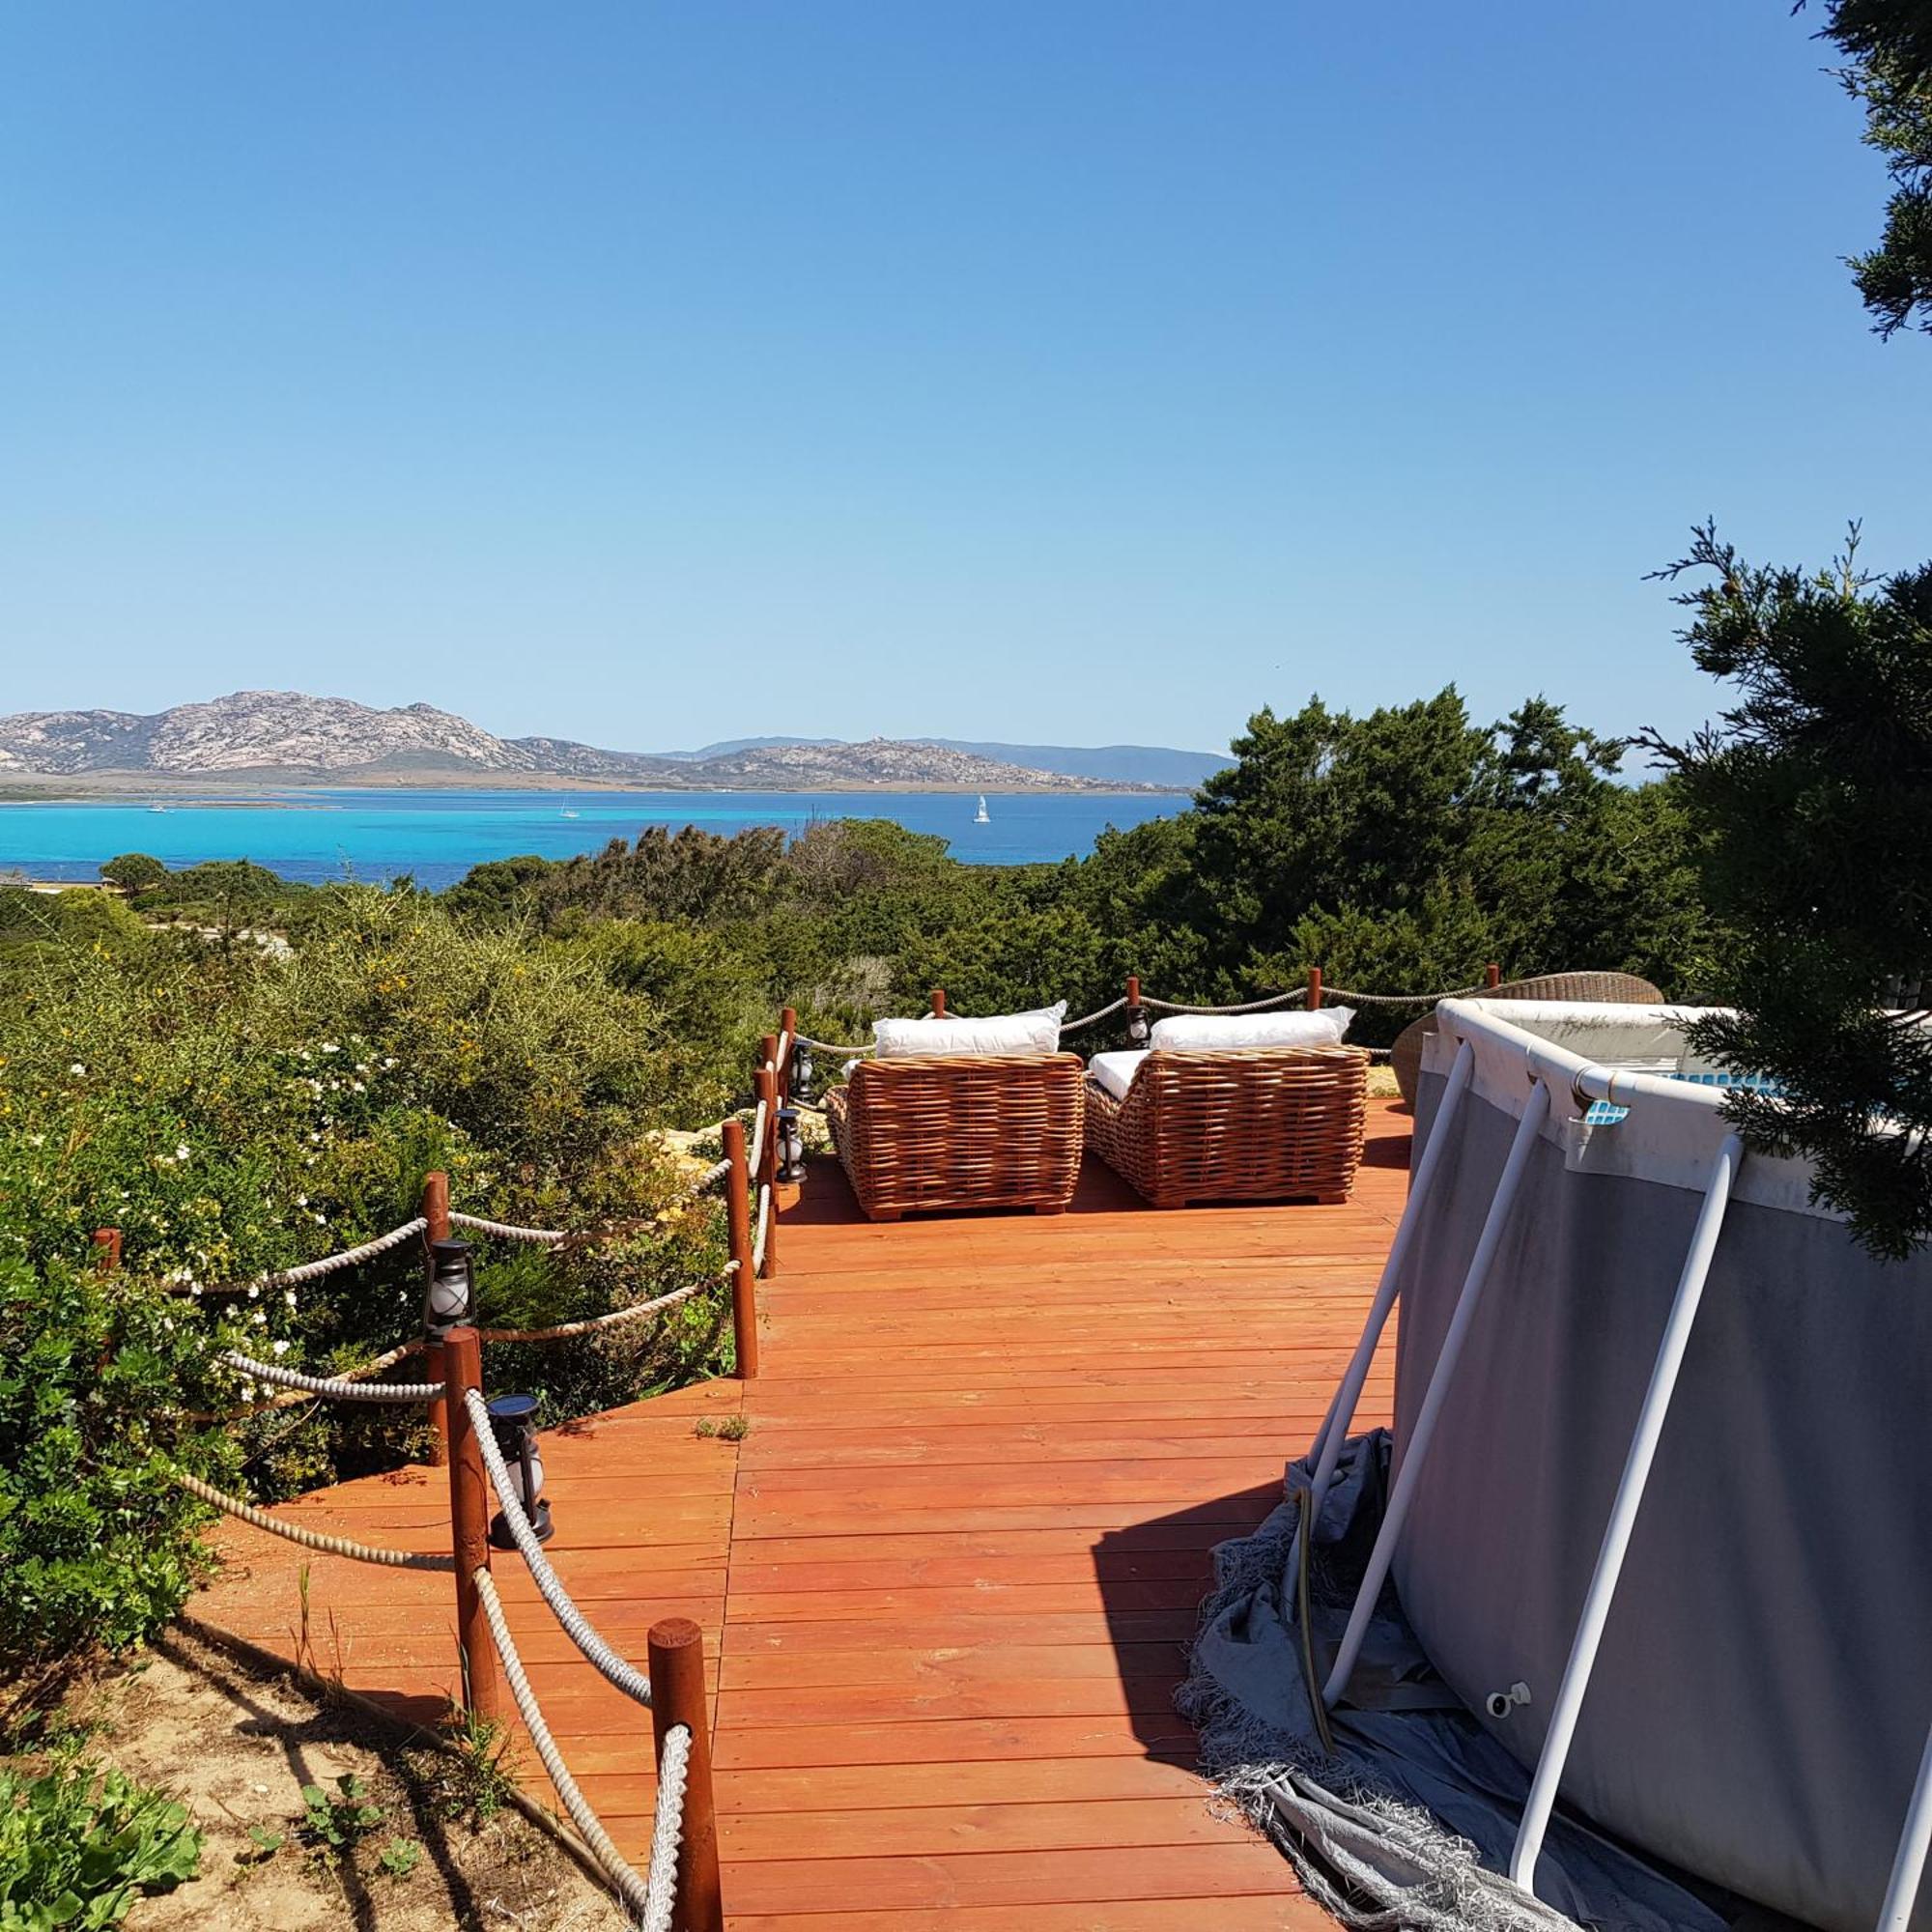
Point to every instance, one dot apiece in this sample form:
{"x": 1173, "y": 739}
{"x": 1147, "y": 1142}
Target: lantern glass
{"x": 1137, "y": 1026}
{"x": 801, "y": 1072}
{"x": 452, "y": 1290}
{"x": 791, "y": 1144}
{"x": 512, "y": 1423}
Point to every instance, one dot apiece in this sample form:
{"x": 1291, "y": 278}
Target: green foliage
{"x": 335, "y": 1822}
{"x": 1889, "y": 46}
{"x": 400, "y": 1857}
{"x": 77, "y": 1848}
{"x": 95, "y": 1540}
{"x": 135, "y": 872}
{"x": 1829, "y": 744}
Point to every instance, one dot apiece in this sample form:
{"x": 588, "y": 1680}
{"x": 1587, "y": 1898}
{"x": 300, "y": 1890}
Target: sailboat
{"x": 979, "y": 817}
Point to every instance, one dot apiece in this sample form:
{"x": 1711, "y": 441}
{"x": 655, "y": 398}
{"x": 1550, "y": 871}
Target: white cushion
{"x": 1023, "y": 1035}
{"x": 1242, "y": 1032}
{"x": 1115, "y": 1071}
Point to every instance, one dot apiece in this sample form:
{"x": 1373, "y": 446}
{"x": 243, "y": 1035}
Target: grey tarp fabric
{"x": 1408, "y": 1822}
{"x": 1764, "y": 1686}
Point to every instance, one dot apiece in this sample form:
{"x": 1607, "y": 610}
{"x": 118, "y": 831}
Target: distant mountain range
{"x": 1160, "y": 765}
{"x": 284, "y": 737}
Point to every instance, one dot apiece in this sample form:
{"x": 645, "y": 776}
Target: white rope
{"x": 310, "y": 1539}
{"x": 667, "y": 1828}
{"x": 630, "y": 1888}
{"x": 633, "y": 1683}
{"x": 592, "y": 1323}
{"x": 1287, "y": 998}
{"x": 1399, "y": 998}
{"x": 764, "y": 1228}
{"x": 339, "y": 1387}
{"x": 294, "y": 1277}
{"x": 711, "y": 1177}
{"x": 778, "y": 1060}
{"x": 754, "y": 1158}
{"x": 831, "y": 1046}
{"x": 507, "y": 1231}
{"x": 1088, "y": 1019}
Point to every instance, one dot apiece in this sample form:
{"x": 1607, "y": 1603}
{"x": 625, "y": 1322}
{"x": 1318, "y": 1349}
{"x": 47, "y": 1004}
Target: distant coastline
{"x": 268, "y": 790}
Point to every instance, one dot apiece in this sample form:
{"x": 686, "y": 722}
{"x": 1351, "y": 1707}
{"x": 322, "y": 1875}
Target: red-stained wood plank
{"x": 946, "y": 1582}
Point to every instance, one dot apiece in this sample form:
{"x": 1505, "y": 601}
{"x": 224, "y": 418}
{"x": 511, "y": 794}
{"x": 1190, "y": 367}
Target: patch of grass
{"x": 473, "y": 1778}
{"x": 78, "y": 1847}
{"x": 723, "y": 1428}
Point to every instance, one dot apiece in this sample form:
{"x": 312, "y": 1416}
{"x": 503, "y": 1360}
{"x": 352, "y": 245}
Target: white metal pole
{"x": 1335, "y": 1425}
{"x": 1535, "y": 1110}
{"x": 1908, "y": 1865}
{"x": 1624, "y": 1508}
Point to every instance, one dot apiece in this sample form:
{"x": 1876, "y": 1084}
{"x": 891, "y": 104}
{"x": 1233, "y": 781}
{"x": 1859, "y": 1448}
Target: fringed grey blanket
{"x": 1408, "y": 1822}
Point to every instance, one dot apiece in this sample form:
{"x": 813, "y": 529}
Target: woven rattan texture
{"x": 945, "y": 1135}
{"x": 1579, "y": 988}
{"x": 1279, "y": 1124}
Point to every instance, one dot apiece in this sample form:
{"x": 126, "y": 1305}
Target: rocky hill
{"x": 289, "y": 738}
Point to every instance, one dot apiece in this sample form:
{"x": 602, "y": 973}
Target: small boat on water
{"x": 979, "y": 817}
{"x": 566, "y": 814}
{"x": 158, "y": 808}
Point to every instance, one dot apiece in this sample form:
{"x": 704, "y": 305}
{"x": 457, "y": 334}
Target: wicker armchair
{"x": 947, "y": 1134}
{"x": 1622, "y": 989}
{"x": 1277, "y": 1123}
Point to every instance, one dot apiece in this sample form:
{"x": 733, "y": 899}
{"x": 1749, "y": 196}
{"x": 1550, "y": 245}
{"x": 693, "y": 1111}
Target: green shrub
{"x": 77, "y": 1848}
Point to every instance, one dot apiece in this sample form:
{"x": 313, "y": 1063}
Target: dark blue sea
{"x": 436, "y": 837}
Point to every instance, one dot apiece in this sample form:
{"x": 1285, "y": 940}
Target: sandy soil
{"x": 237, "y": 1746}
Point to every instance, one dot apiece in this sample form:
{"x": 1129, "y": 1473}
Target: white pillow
{"x": 1011, "y": 1035}
{"x": 1242, "y": 1033}
{"x": 1115, "y": 1071}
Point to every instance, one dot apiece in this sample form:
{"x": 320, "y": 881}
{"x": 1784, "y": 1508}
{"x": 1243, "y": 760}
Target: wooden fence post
{"x": 106, "y": 1250}
{"x": 469, "y": 1523}
{"x": 436, "y": 1212}
{"x": 1493, "y": 973}
{"x": 1313, "y": 988}
{"x": 939, "y": 1002}
{"x": 738, "y": 1232}
{"x": 676, "y": 1653}
{"x": 767, "y": 1176}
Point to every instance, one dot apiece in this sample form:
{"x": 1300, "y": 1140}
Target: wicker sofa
{"x": 1273, "y": 1123}
{"x": 1623, "y": 989}
{"x": 949, "y": 1134}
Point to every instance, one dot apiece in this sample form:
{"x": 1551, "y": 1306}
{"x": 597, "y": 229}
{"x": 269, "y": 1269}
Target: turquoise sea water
{"x": 438, "y": 836}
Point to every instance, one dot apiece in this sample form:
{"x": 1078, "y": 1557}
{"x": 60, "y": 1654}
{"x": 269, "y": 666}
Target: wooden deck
{"x": 947, "y": 1579}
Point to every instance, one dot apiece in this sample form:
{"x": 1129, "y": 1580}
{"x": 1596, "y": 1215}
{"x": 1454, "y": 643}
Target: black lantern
{"x": 791, "y": 1145}
{"x": 450, "y": 1300}
{"x": 803, "y": 1071}
{"x": 1137, "y": 1025}
{"x": 510, "y": 1423}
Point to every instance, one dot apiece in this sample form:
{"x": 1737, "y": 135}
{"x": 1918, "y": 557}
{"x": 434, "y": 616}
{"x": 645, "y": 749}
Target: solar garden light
{"x": 791, "y": 1145}
{"x": 450, "y": 1300}
{"x": 802, "y": 1068}
{"x": 517, "y": 1443}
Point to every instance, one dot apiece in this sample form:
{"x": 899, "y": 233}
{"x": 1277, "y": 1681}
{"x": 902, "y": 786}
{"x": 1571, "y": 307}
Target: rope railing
{"x": 592, "y": 1323}
{"x": 1089, "y": 1019}
{"x": 763, "y": 1231}
{"x": 1401, "y": 998}
{"x": 1261, "y": 1005}
{"x": 310, "y": 1539}
{"x": 508, "y": 1231}
{"x": 667, "y": 1828}
{"x": 294, "y": 1277}
{"x": 754, "y": 1158}
{"x": 338, "y": 1388}
{"x": 605, "y": 1661}
{"x": 712, "y": 1178}
{"x": 630, "y": 1888}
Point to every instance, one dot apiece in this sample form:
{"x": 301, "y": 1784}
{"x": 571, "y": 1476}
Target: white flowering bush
{"x": 236, "y": 1113}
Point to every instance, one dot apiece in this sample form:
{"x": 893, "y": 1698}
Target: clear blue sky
{"x": 1070, "y": 369}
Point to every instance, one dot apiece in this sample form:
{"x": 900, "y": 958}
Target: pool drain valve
{"x": 1502, "y": 1703}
